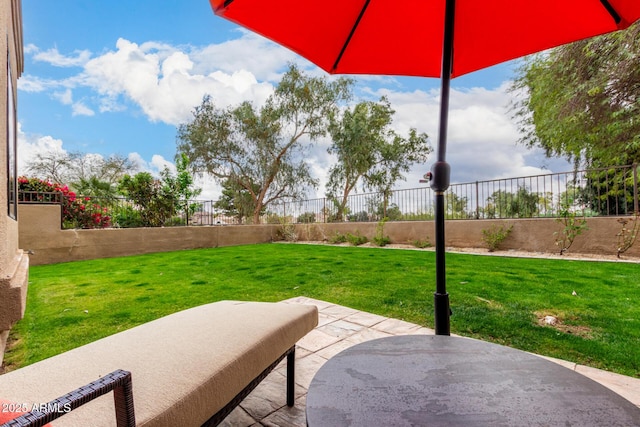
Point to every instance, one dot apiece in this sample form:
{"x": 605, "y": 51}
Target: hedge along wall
{"x": 41, "y": 234}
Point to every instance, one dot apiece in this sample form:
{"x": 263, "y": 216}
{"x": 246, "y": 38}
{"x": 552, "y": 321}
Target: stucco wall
{"x": 534, "y": 235}
{"x": 14, "y": 264}
{"x": 40, "y": 233}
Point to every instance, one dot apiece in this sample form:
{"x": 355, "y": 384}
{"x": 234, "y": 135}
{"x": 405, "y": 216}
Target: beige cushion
{"x": 185, "y": 367}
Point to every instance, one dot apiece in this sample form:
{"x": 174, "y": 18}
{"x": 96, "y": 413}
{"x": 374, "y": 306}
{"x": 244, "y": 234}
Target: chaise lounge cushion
{"x": 185, "y": 366}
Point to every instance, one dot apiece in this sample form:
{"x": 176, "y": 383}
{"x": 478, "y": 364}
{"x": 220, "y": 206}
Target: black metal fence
{"x": 594, "y": 192}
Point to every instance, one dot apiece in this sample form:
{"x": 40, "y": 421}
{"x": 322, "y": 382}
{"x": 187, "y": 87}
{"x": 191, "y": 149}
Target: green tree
{"x": 576, "y": 198}
{"x": 93, "y": 186}
{"x": 610, "y": 191}
{"x": 154, "y": 205}
{"x": 236, "y": 201}
{"x": 369, "y": 152}
{"x": 456, "y": 206}
{"x": 582, "y": 100}
{"x": 181, "y": 186}
{"x": 504, "y": 204}
{"x": 158, "y": 200}
{"x": 261, "y": 149}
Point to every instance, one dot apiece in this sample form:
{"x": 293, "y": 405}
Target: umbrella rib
{"x": 611, "y": 10}
{"x": 353, "y": 30}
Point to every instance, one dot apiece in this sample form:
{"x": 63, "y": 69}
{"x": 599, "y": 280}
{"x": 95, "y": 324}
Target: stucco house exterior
{"x": 14, "y": 263}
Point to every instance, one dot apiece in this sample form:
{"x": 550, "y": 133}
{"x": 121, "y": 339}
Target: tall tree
{"x": 53, "y": 166}
{"x": 582, "y": 100}
{"x": 88, "y": 174}
{"x": 261, "y": 150}
{"x": 181, "y": 185}
{"x": 103, "y": 190}
{"x": 456, "y": 206}
{"x": 154, "y": 205}
{"x": 504, "y": 204}
{"x": 235, "y": 201}
{"x": 159, "y": 200}
{"x": 369, "y": 152}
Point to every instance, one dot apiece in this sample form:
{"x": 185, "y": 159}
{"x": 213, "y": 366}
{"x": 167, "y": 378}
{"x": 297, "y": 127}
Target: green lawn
{"x": 492, "y": 298}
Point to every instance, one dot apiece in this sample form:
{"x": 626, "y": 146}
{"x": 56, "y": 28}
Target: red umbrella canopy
{"x": 406, "y": 37}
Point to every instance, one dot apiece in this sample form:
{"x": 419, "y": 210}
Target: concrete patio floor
{"x": 341, "y": 327}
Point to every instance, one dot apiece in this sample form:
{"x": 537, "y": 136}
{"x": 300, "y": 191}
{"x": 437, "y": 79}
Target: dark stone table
{"x": 424, "y": 380}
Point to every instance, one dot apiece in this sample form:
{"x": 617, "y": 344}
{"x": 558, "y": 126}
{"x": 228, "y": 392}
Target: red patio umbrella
{"x": 429, "y": 38}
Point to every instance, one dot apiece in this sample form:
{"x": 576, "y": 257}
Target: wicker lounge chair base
{"x": 118, "y": 381}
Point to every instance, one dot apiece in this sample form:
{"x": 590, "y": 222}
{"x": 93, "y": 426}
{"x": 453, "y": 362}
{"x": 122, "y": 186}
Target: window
{"x": 12, "y": 158}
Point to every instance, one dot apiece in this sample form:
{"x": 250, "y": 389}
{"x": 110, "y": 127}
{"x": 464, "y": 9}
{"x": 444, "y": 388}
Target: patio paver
{"x": 339, "y": 328}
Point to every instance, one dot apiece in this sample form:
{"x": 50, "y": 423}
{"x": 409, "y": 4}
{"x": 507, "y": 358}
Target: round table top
{"x": 426, "y": 380}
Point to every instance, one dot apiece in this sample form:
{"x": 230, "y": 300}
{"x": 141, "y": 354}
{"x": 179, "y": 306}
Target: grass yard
{"x": 492, "y": 298}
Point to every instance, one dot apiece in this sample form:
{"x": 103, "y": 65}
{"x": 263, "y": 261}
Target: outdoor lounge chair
{"x": 190, "y": 368}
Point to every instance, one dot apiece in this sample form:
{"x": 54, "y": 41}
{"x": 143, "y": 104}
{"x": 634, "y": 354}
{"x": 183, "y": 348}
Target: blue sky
{"x": 120, "y": 76}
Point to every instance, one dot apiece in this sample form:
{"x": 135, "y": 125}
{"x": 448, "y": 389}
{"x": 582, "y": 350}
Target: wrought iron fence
{"x": 594, "y": 192}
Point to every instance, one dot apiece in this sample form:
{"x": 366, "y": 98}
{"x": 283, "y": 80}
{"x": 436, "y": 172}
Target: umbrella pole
{"x": 440, "y": 178}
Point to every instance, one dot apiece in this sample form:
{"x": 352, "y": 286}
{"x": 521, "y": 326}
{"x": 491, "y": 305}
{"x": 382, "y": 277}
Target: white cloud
{"x": 142, "y": 165}
{"x": 80, "y": 109}
{"x": 29, "y": 146}
{"x": 211, "y": 190}
{"x": 159, "y": 163}
{"x": 30, "y": 49}
{"x": 64, "y": 97}
{"x": 55, "y": 58}
{"x": 482, "y": 137}
{"x": 164, "y": 81}
{"x": 138, "y": 162}
{"x": 33, "y": 84}
{"x": 161, "y": 81}
{"x": 250, "y": 52}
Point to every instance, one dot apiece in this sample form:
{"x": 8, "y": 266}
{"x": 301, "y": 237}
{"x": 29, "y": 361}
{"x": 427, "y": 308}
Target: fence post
{"x": 477, "y": 201}
{"x": 324, "y": 208}
{"x": 60, "y": 199}
{"x": 635, "y": 188}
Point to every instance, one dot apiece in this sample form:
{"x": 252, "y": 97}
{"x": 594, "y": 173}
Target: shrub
{"x": 77, "y": 212}
{"x": 573, "y": 227}
{"x": 338, "y": 238}
{"x": 176, "y": 221}
{"x": 81, "y": 213}
{"x": 422, "y": 243}
{"x": 627, "y": 235}
{"x": 287, "y": 230}
{"x": 380, "y": 239}
{"x": 495, "y": 235}
{"x": 128, "y": 217}
{"x": 155, "y": 203}
{"x": 357, "y": 239}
